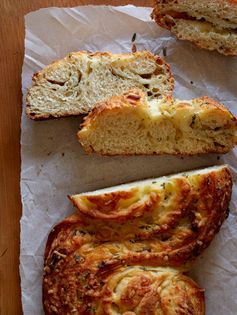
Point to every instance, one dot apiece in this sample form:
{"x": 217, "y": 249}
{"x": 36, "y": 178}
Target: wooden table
{"x": 12, "y": 36}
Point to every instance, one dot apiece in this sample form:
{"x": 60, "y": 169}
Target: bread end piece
{"x": 211, "y": 25}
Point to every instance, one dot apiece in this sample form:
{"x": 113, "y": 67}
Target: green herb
{"x": 102, "y": 264}
{"x": 193, "y": 120}
{"x": 134, "y": 37}
{"x": 144, "y": 227}
{"x": 91, "y": 309}
{"x": 77, "y": 258}
{"x": 163, "y": 185}
{"x": 143, "y": 268}
{"x": 147, "y": 250}
{"x": 85, "y": 275}
{"x": 135, "y": 240}
{"x": 164, "y": 51}
{"x": 78, "y": 232}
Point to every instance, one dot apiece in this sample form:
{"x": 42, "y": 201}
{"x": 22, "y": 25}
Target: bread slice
{"x": 126, "y": 202}
{"x": 132, "y": 124}
{"x": 209, "y": 24}
{"x": 140, "y": 238}
{"x": 73, "y": 85}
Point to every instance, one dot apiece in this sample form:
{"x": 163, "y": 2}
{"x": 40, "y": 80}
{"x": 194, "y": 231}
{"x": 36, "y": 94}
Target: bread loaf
{"x": 209, "y": 24}
{"x": 125, "y": 250}
{"x": 132, "y": 124}
{"x": 73, "y": 85}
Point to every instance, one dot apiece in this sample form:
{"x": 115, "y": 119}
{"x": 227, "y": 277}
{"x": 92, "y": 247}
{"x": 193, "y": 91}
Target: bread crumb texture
{"x": 73, "y": 85}
{"x": 209, "y": 24}
{"x": 132, "y": 124}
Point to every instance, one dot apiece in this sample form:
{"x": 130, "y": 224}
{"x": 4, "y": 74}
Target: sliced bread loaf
{"x": 73, "y": 85}
{"x": 132, "y": 124}
{"x": 209, "y": 24}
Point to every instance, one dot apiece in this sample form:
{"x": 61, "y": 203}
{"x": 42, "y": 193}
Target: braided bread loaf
{"x": 125, "y": 250}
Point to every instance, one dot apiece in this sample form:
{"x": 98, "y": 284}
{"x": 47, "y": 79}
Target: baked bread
{"x": 132, "y": 124}
{"x": 73, "y": 85}
{"x": 144, "y": 290}
{"x": 132, "y": 290}
{"x": 126, "y": 248}
{"x": 209, "y": 24}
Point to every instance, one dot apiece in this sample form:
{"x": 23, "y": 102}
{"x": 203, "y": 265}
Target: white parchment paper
{"x": 54, "y": 165}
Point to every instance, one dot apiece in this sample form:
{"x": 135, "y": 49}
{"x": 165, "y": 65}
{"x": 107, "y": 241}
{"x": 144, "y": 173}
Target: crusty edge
{"x": 133, "y": 97}
{"x": 136, "y": 97}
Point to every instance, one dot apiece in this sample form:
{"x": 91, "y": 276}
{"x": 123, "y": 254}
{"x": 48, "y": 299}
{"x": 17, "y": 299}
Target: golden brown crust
{"x": 38, "y": 75}
{"x": 136, "y": 97}
{"x": 135, "y": 101}
{"x": 133, "y": 97}
{"x": 165, "y": 225}
{"x": 145, "y": 291}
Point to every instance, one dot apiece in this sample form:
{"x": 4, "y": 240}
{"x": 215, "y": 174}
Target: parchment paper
{"x": 54, "y": 165}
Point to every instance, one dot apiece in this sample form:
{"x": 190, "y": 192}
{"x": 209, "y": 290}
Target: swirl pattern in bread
{"x": 73, "y": 85}
{"x": 95, "y": 258}
{"x": 153, "y": 291}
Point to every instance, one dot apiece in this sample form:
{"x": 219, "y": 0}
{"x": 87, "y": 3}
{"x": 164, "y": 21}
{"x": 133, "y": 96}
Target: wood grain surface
{"x": 12, "y": 36}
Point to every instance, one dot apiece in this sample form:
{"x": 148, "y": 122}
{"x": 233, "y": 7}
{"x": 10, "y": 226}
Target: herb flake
{"x": 134, "y": 37}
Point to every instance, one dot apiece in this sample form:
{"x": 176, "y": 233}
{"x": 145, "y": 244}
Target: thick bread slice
{"x": 73, "y": 85}
{"x": 137, "y": 238}
{"x": 209, "y": 24}
{"x": 131, "y": 124}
